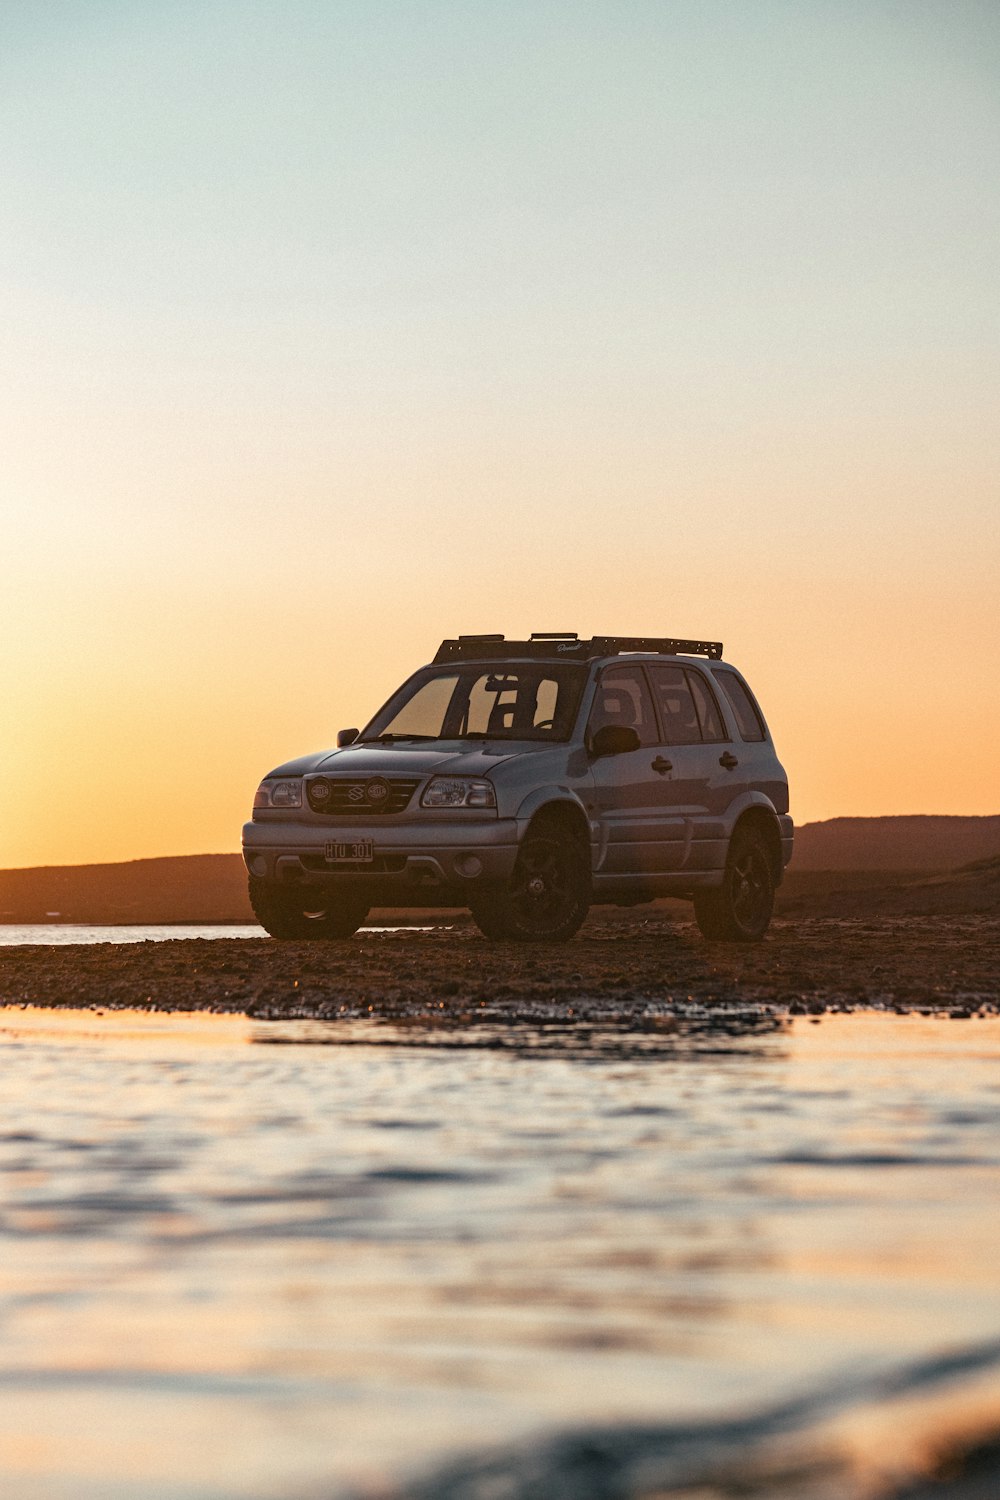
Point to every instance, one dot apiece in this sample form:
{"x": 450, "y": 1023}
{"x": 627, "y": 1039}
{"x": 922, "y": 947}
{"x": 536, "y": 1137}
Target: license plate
{"x": 350, "y": 851}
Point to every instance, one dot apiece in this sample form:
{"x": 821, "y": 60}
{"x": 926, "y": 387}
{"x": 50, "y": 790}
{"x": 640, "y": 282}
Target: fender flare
{"x": 744, "y": 802}
{"x": 552, "y": 796}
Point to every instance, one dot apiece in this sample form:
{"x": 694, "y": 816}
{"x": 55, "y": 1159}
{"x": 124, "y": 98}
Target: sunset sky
{"x": 330, "y": 329}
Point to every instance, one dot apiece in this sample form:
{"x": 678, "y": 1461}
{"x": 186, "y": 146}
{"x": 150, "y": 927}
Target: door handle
{"x": 728, "y": 760}
{"x": 662, "y": 766}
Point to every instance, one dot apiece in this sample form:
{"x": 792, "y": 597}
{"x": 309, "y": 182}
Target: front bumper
{"x": 407, "y": 857}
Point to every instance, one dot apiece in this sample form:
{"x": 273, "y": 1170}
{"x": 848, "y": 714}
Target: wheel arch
{"x": 762, "y": 820}
{"x": 562, "y": 815}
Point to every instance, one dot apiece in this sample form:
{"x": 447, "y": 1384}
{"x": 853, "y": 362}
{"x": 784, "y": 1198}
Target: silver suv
{"x": 527, "y": 780}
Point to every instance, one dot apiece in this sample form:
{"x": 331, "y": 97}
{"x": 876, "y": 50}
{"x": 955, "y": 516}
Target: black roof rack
{"x": 547, "y": 645}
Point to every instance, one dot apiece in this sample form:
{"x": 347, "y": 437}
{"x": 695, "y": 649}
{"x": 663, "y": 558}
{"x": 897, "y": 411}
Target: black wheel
{"x": 739, "y": 910}
{"x": 547, "y": 896}
{"x": 289, "y": 911}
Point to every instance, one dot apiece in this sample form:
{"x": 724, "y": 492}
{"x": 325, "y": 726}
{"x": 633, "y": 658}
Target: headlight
{"x": 279, "y": 794}
{"x": 458, "y": 791}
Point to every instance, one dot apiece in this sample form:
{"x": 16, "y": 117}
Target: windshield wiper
{"x": 387, "y": 739}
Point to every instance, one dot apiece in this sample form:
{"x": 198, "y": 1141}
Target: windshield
{"x": 516, "y": 701}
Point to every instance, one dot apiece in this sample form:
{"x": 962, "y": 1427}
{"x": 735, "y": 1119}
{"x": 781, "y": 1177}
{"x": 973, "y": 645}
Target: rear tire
{"x": 546, "y": 898}
{"x": 739, "y": 910}
{"x": 304, "y": 912}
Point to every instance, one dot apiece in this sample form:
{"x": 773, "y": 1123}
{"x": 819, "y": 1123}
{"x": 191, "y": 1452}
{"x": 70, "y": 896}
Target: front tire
{"x": 546, "y": 898}
{"x": 304, "y": 912}
{"x": 739, "y": 911}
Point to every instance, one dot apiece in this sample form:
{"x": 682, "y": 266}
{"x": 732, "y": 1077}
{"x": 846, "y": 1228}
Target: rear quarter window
{"x": 747, "y": 714}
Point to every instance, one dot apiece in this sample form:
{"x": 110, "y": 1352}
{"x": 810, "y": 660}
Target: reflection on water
{"x": 236, "y": 1269}
{"x": 542, "y": 1029}
{"x": 61, "y": 934}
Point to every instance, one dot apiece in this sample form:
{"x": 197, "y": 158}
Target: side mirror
{"x": 614, "y": 739}
{"x": 346, "y": 737}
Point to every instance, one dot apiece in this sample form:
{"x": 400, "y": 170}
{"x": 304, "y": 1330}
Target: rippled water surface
{"x": 62, "y": 934}
{"x": 238, "y": 1262}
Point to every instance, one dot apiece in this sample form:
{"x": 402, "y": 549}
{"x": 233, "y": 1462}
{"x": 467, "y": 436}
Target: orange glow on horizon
{"x": 515, "y": 324}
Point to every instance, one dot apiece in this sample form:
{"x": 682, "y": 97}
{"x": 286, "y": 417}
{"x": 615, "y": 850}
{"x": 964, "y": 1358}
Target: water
{"x": 59, "y": 934}
{"x": 239, "y": 1260}
{"x": 20, "y": 934}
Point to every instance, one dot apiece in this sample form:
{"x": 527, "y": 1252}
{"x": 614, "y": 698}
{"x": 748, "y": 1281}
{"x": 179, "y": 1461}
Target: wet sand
{"x": 618, "y": 969}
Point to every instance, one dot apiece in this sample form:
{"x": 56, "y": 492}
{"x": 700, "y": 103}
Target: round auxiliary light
{"x": 376, "y": 791}
{"x": 320, "y": 791}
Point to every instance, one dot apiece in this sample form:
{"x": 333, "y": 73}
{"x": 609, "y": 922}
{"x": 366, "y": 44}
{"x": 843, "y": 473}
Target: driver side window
{"x": 622, "y": 697}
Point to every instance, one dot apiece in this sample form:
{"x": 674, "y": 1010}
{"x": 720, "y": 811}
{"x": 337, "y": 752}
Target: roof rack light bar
{"x": 569, "y": 647}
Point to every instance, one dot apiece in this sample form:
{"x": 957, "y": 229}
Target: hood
{"x": 449, "y": 757}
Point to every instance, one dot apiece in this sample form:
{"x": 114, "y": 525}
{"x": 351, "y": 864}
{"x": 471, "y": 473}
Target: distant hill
{"x": 185, "y": 888}
{"x": 212, "y": 887}
{"x": 906, "y": 843}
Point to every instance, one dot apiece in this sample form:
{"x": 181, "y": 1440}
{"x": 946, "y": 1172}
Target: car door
{"x": 641, "y": 832}
{"x": 704, "y": 774}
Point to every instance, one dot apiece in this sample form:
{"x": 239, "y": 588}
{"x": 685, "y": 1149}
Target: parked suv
{"x": 527, "y": 780}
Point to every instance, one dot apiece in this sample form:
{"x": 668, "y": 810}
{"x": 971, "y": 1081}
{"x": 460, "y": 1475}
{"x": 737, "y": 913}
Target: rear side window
{"x": 747, "y": 713}
{"x": 674, "y": 699}
{"x": 708, "y": 710}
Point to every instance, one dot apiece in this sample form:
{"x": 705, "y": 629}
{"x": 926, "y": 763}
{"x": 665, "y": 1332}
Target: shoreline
{"x": 624, "y": 968}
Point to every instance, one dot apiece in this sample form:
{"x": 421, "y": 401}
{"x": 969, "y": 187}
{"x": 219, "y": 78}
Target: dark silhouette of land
{"x": 905, "y": 866}
{"x": 186, "y": 888}
{"x": 907, "y": 843}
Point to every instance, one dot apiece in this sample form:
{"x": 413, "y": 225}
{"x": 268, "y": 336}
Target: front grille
{"x": 348, "y": 798}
